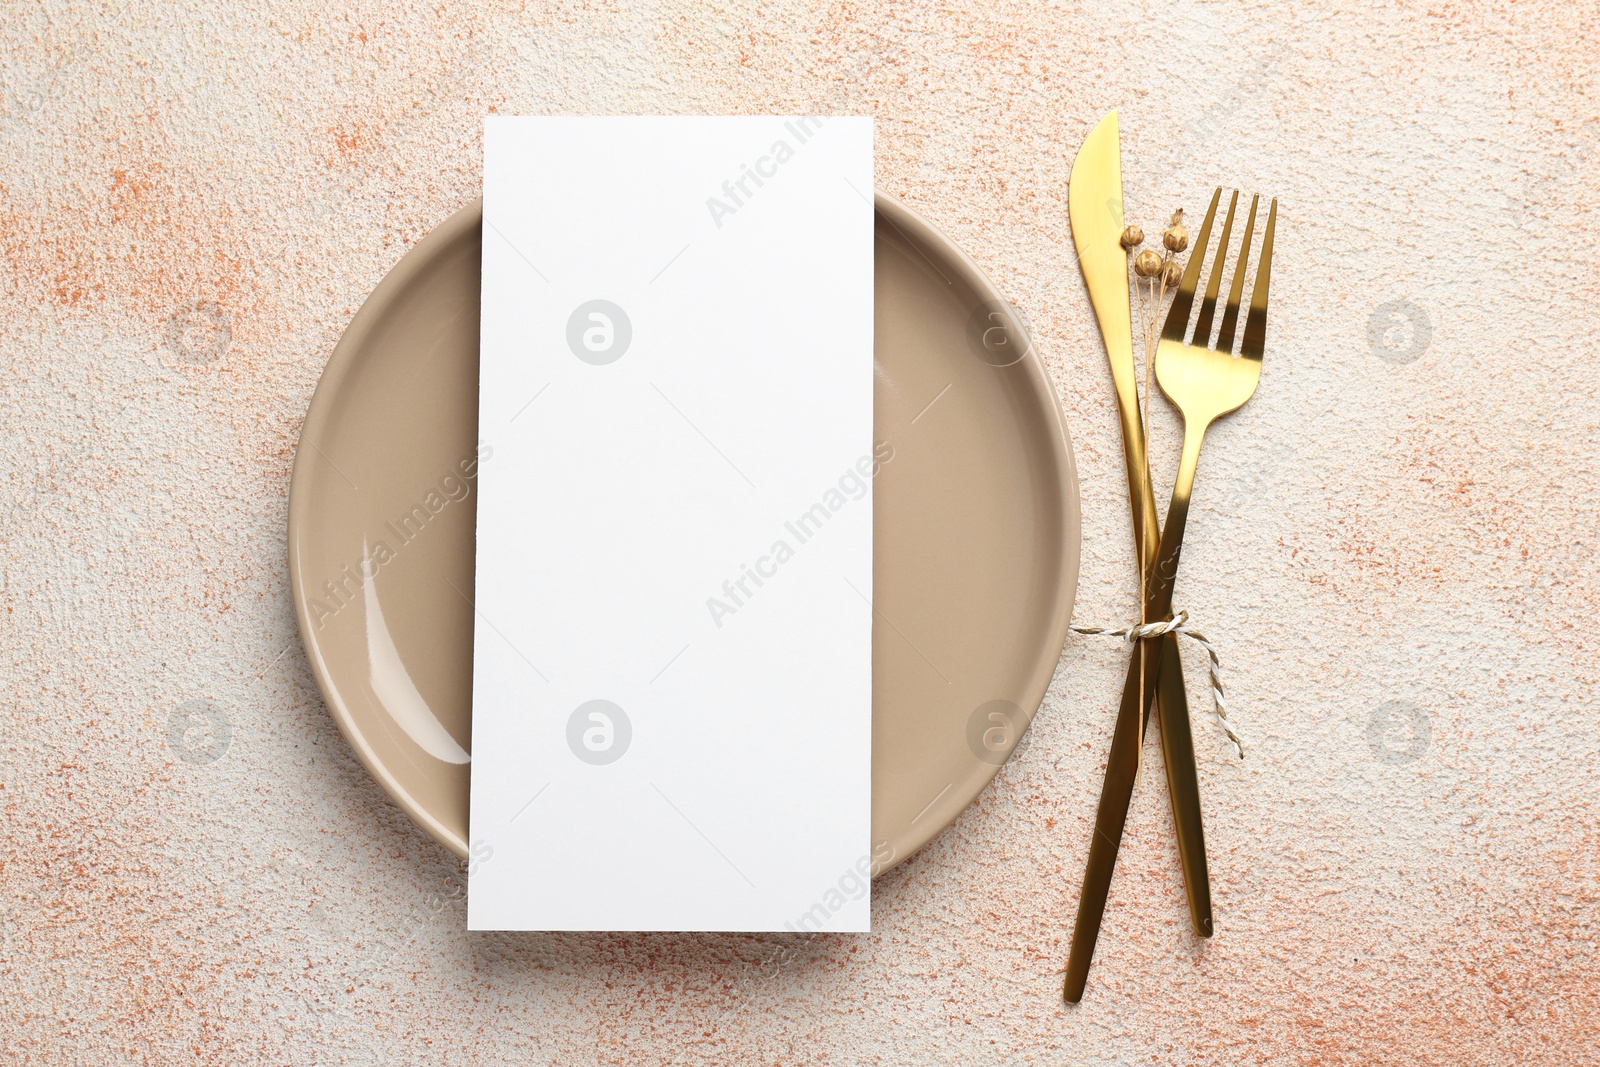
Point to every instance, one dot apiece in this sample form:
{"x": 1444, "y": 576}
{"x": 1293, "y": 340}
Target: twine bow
{"x": 1179, "y": 624}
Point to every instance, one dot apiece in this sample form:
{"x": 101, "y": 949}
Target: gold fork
{"x": 1204, "y": 384}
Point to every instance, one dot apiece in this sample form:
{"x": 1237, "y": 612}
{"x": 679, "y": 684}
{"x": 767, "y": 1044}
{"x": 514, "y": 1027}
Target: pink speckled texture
{"x": 195, "y": 198}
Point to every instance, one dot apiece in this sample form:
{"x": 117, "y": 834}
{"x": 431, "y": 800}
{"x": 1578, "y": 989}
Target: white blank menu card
{"x": 672, "y": 672}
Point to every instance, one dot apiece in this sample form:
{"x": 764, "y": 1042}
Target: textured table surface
{"x": 1395, "y": 545}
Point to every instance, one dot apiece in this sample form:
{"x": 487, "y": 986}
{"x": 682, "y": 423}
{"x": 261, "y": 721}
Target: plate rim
{"x": 948, "y": 809}
{"x": 395, "y": 282}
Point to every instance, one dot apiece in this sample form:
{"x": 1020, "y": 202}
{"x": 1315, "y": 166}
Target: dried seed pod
{"x": 1176, "y": 238}
{"x": 1171, "y": 273}
{"x": 1147, "y": 264}
{"x": 1132, "y": 238}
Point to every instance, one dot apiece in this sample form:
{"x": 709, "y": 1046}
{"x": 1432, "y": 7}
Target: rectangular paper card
{"x": 672, "y": 676}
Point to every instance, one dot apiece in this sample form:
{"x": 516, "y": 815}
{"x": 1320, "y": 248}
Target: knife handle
{"x": 1183, "y": 785}
{"x": 1163, "y": 679}
{"x": 1122, "y": 768}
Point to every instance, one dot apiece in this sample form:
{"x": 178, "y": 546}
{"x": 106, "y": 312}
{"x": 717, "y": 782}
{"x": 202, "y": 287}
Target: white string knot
{"x": 1179, "y": 624}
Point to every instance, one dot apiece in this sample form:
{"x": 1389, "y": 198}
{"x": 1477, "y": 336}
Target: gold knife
{"x": 1094, "y": 205}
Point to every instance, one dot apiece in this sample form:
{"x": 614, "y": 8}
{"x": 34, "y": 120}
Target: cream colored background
{"x": 1371, "y": 540}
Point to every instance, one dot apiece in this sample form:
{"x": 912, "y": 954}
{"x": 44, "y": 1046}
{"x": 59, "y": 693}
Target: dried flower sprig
{"x": 1176, "y": 238}
{"x": 1153, "y": 277}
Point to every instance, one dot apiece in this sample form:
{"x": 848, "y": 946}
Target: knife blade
{"x": 1094, "y": 208}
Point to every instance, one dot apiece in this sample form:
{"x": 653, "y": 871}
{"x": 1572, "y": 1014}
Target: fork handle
{"x": 1122, "y": 765}
{"x": 1183, "y": 784}
{"x": 1158, "y": 590}
{"x": 1177, "y": 740}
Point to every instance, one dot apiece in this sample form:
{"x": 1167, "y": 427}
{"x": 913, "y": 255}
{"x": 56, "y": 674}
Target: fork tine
{"x": 1208, "y": 307}
{"x": 1230, "y": 316}
{"x": 1177, "y": 324}
{"x": 1255, "y": 327}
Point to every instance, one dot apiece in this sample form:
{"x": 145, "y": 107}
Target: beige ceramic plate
{"x": 975, "y": 544}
